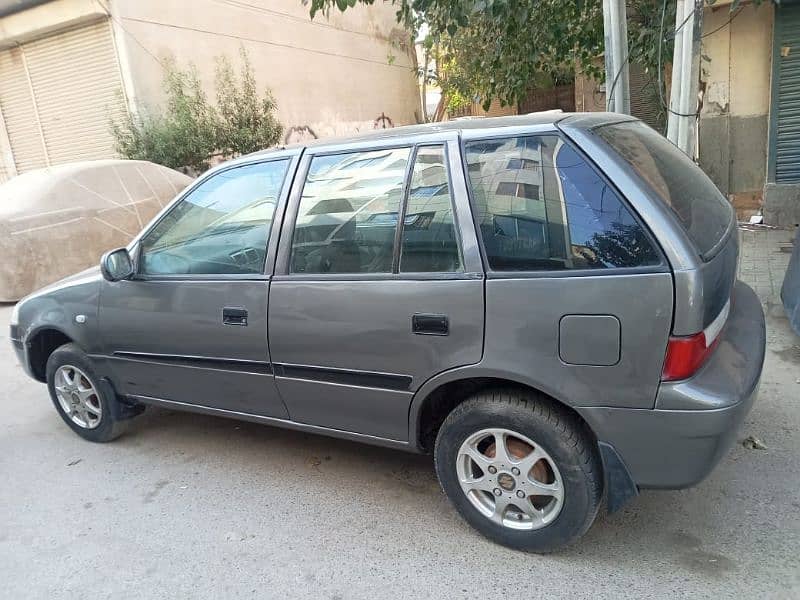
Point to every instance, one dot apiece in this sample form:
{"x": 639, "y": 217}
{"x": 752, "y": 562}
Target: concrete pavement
{"x": 194, "y": 506}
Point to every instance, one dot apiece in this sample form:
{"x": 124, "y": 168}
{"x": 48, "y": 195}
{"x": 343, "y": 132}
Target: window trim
{"x": 661, "y": 267}
{"x": 136, "y": 248}
{"x": 401, "y": 217}
{"x": 283, "y": 258}
{"x": 401, "y": 210}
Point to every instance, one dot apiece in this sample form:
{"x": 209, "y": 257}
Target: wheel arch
{"x": 41, "y": 343}
{"x": 435, "y": 399}
{"x": 442, "y": 393}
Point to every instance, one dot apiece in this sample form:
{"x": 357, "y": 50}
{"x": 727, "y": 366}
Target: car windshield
{"x": 701, "y": 209}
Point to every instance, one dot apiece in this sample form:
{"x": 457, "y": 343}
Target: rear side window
{"x": 541, "y": 206}
{"x": 700, "y": 207}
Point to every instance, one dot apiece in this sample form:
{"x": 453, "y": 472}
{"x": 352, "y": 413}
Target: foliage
{"x": 180, "y": 136}
{"x": 190, "y": 131}
{"x": 496, "y": 48}
{"x": 246, "y": 123}
{"x": 503, "y": 48}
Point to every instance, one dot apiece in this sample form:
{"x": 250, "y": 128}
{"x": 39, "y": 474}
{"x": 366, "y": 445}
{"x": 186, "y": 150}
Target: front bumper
{"x": 695, "y": 421}
{"x": 20, "y": 349}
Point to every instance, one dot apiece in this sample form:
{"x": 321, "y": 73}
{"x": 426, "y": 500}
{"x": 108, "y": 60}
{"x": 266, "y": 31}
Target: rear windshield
{"x": 700, "y": 207}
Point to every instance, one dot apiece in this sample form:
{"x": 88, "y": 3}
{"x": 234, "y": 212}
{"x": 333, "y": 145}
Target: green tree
{"x": 245, "y": 122}
{"x": 497, "y": 48}
{"x": 190, "y": 131}
{"x": 504, "y": 48}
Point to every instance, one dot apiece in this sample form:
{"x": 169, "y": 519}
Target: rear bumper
{"x": 695, "y": 421}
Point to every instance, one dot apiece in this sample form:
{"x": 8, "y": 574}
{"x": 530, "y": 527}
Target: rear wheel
{"x": 520, "y": 469}
{"x": 83, "y": 404}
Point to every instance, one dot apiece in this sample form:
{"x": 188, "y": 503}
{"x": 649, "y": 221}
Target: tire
{"x": 103, "y": 427}
{"x": 569, "y": 462}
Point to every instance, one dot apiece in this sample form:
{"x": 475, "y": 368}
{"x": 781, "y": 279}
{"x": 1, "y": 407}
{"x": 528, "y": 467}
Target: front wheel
{"x": 520, "y": 469}
{"x": 79, "y": 399}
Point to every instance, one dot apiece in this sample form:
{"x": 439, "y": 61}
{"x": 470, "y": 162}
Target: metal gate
{"x": 785, "y": 126}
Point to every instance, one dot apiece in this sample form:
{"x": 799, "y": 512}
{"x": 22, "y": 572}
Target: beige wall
{"x": 334, "y": 76}
{"x": 737, "y": 77}
{"x": 734, "y": 120}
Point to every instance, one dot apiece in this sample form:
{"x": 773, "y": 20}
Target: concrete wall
{"x": 331, "y": 76}
{"x": 734, "y": 121}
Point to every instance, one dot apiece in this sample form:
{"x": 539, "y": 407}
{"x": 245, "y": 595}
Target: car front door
{"x": 191, "y": 326}
{"x": 378, "y": 283}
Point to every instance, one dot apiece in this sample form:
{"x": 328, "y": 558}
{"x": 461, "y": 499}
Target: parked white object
{"x": 61, "y": 219}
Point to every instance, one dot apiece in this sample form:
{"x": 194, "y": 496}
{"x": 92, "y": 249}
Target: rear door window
{"x": 347, "y": 218}
{"x": 701, "y": 209}
{"x": 541, "y": 206}
{"x": 429, "y": 240}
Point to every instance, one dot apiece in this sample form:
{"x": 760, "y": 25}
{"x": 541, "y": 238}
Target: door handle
{"x": 424, "y": 324}
{"x": 234, "y": 316}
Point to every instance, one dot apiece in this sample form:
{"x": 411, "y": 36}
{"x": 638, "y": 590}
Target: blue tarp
{"x": 790, "y": 291}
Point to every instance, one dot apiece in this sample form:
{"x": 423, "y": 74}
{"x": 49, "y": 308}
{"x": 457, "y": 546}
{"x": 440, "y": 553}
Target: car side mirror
{"x": 116, "y": 265}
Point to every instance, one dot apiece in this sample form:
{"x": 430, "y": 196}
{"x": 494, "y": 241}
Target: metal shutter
{"x": 19, "y": 112}
{"x": 787, "y": 125}
{"x": 77, "y": 91}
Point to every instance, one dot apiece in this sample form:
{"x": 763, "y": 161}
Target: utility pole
{"x": 683, "y": 100}
{"x": 615, "y": 29}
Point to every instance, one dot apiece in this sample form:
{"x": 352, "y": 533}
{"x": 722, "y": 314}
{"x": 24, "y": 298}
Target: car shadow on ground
{"x": 683, "y": 528}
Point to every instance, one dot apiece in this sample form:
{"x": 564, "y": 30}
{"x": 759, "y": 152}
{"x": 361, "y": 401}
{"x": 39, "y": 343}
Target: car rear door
{"x": 191, "y": 326}
{"x": 378, "y": 284}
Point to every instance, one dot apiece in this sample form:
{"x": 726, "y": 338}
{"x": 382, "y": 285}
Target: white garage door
{"x": 58, "y": 96}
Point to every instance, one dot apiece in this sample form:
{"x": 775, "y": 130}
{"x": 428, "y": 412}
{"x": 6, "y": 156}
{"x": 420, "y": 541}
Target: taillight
{"x": 685, "y": 355}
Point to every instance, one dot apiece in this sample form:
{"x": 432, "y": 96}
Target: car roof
{"x": 460, "y": 125}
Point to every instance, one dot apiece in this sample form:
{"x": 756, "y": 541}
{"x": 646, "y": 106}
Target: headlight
{"x": 15, "y": 314}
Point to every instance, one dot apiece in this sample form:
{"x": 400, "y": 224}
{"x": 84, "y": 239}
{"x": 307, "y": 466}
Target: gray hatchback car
{"x": 547, "y": 303}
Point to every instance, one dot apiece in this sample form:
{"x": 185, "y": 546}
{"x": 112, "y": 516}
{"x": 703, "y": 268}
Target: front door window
{"x": 220, "y": 228}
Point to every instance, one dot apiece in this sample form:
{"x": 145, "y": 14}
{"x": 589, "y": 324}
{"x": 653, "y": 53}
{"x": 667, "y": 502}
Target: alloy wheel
{"x": 78, "y": 397}
{"x": 510, "y": 479}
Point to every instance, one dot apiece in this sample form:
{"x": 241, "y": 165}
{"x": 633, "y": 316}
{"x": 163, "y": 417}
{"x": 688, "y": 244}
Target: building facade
{"x": 749, "y": 118}
{"x": 733, "y": 131}
{"x": 70, "y": 67}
